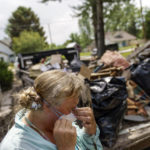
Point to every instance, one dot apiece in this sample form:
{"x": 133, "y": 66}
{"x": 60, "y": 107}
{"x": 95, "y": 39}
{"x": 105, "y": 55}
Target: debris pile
{"x": 119, "y": 88}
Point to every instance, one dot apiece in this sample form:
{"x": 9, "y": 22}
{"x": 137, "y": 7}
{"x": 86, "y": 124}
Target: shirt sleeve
{"x": 88, "y": 142}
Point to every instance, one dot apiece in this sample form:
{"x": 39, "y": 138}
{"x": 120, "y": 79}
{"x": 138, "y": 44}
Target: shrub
{"x": 6, "y": 76}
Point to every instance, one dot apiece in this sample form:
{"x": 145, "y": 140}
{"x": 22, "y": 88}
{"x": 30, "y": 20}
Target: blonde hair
{"x": 53, "y": 86}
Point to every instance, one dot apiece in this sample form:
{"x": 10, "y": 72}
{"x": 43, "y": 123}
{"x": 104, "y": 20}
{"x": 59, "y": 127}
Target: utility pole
{"x": 50, "y": 35}
{"x": 142, "y": 18}
{"x": 100, "y": 28}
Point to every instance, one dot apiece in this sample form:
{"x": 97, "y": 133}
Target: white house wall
{"x": 4, "y": 57}
{"x": 5, "y": 52}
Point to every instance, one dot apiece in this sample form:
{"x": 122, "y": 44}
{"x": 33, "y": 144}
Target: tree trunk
{"x": 94, "y": 21}
{"x": 100, "y": 29}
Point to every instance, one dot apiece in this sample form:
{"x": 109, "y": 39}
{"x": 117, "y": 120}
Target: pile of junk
{"x": 117, "y": 88}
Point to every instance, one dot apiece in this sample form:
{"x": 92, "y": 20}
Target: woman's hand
{"x": 85, "y": 114}
{"x": 65, "y": 135}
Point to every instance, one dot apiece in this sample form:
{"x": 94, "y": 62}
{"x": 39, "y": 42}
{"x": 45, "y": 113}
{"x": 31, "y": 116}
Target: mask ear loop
{"x": 57, "y": 113}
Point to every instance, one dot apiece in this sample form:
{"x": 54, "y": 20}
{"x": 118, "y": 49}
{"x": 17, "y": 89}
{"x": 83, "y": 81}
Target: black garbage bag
{"x": 141, "y": 75}
{"x": 109, "y": 105}
{"x": 109, "y": 125}
{"x": 76, "y": 64}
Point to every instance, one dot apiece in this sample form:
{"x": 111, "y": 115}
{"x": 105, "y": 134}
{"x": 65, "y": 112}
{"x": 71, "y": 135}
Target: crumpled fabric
{"x": 115, "y": 59}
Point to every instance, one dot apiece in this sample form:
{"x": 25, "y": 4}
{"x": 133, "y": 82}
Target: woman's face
{"x": 68, "y": 105}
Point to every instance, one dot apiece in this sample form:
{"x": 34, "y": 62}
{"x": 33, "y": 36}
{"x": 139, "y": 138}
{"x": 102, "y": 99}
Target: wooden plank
{"x": 137, "y": 139}
{"x": 140, "y": 144}
{"x": 100, "y": 74}
{"x": 110, "y": 69}
{"x": 138, "y": 50}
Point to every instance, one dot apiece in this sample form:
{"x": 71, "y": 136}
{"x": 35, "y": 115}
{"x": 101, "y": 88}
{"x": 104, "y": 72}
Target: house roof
{"x": 119, "y": 36}
{"x": 5, "y": 49}
{"x": 6, "y": 41}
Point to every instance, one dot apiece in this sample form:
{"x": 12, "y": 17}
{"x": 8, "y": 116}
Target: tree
{"x": 97, "y": 6}
{"x": 73, "y": 37}
{"x": 24, "y": 19}
{"x": 100, "y": 37}
{"x": 6, "y": 76}
{"x": 94, "y": 8}
{"x": 86, "y": 10}
{"x": 53, "y": 46}
{"x": 28, "y": 42}
{"x": 123, "y": 16}
{"x": 86, "y": 32}
{"x": 146, "y": 24}
{"x": 81, "y": 39}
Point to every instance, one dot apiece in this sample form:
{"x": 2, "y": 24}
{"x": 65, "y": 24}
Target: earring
{"x": 35, "y": 105}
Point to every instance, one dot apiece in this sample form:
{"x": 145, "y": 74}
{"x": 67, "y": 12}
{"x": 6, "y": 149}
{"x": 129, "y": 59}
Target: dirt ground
{"x": 7, "y": 108}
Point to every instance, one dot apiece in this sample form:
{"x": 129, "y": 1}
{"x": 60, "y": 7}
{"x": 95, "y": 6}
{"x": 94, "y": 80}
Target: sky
{"x": 56, "y": 18}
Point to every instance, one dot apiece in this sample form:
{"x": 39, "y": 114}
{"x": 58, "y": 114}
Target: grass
{"x": 126, "y": 54}
{"x": 122, "y": 48}
{"x": 127, "y": 47}
{"x": 85, "y": 54}
{"x": 89, "y": 54}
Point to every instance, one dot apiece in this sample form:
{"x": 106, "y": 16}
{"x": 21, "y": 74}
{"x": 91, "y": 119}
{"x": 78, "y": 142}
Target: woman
{"x": 44, "y": 121}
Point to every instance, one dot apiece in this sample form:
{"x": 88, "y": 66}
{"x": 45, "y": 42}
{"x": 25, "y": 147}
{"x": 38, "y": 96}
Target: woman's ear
{"x": 45, "y": 108}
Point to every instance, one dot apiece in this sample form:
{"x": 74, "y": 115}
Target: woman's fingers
{"x": 64, "y": 132}
{"x": 85, "y": 114}
{"x": 86, "y": 119}
{"x": 68, "y": 123}
{"x": 57, "y": 124}
{"x": 83, "y": 109}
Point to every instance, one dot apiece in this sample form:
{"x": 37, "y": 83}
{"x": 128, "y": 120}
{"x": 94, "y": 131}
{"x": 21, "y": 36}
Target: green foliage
{"x": 82, "y": 39}
{"x": 86, "y": 32}
{"x": 73, "y": 37}
{"x": 6, "y": 76}
{"x": 23, "y": 19}
{"x": 28, "y": 42}
{"x": 91, "y": 9}
{"x": 147, "y": 24}
{"x": 122, "y": 16}
{"x": 54, "y": 46}
{"x": 118, "y": 15}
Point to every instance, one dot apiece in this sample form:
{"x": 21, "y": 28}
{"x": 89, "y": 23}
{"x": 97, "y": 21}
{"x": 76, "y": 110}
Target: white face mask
{"x": 60, "y": 115}
{"x": 70, "y": 117}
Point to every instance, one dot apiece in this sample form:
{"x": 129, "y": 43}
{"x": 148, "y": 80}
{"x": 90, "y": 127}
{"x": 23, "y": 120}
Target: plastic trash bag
{"x": 141, "y": 75}
{"x": 76, "y": 64}
{"x": 109, "y": 105}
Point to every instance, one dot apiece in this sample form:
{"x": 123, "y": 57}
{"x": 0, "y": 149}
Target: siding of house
{"x": 4, "y": 57}
{"x": 5, "y": 52}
